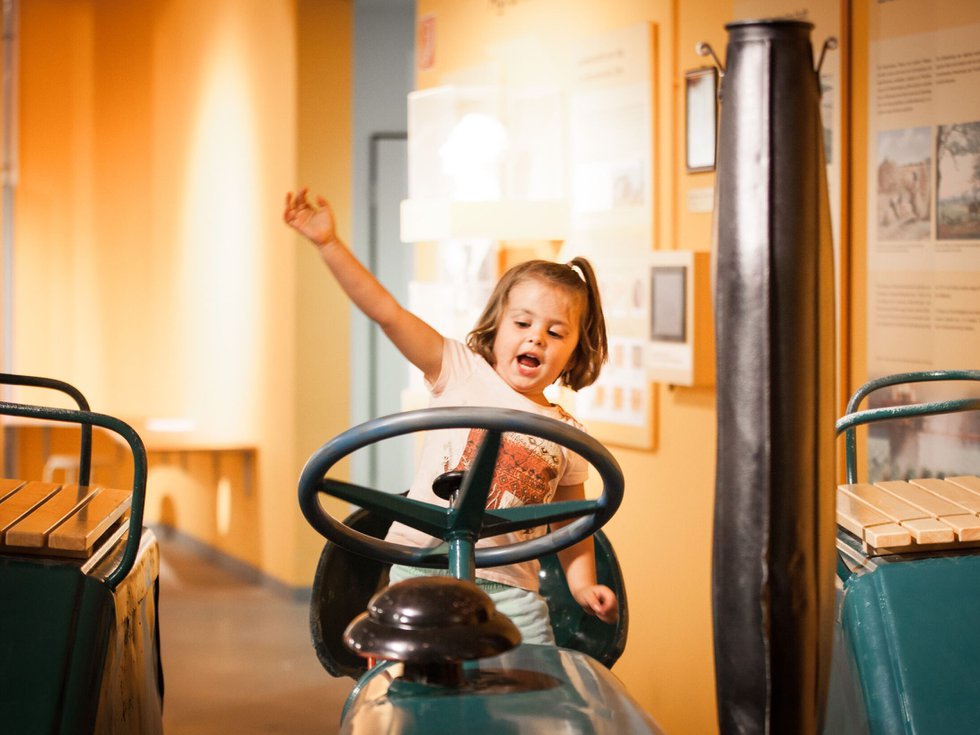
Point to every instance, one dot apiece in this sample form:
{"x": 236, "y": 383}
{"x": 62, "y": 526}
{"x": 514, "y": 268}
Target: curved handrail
{"x": 85, "y": 451}
{"x": 127, "y": 432}
{"x": 853, "y": 418}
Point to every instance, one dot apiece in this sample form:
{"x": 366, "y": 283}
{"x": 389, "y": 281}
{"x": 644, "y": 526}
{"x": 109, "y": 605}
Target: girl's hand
{"x": 316, "y": 223}
{"x": 600, "y": 601}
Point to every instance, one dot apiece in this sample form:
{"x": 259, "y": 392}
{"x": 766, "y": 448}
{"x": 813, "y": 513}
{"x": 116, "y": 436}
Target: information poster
{"x": 924, "y": 227}
{"x": 622, "y": 393}
{"x": 611, "y": 167}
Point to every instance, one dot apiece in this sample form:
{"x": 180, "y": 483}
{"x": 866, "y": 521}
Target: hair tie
{"x": 577, "y": 270}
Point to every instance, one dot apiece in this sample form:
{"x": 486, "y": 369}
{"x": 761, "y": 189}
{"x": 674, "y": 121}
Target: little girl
{"x": 543, "y": 324}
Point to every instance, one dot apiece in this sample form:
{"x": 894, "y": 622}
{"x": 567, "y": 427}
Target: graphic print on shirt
{"x": 526, "y": 472}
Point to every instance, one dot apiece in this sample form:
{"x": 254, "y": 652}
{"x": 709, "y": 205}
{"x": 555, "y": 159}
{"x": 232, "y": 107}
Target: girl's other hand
{"x": 600, "y": 601}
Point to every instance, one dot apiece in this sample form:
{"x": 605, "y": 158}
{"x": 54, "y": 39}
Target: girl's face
{"x": 536, "y": 336}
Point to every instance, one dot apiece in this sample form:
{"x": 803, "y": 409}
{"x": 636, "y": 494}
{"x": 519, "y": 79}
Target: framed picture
{"x": 701, "y": 93}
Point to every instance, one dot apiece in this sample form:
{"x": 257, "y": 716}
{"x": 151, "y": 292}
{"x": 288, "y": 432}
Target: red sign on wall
{"x": 426, "y": 43}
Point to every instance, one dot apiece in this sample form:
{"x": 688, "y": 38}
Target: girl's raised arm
{"x": 414, "y": 338}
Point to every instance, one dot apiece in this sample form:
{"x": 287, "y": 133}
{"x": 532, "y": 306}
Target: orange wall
{"x": 324, "y": 161}
{"x": 152, "y": 267}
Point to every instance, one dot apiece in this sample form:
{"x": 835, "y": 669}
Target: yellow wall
{"x": 157, "y": 140}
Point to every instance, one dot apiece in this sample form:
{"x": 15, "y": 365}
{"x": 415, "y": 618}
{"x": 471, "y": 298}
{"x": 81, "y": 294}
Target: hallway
{"x": 237, "y": 657}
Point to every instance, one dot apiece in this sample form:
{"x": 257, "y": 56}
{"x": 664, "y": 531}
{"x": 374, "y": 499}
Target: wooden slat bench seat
{"x": 898, "y": 516}
{"x": 58, "y": 520}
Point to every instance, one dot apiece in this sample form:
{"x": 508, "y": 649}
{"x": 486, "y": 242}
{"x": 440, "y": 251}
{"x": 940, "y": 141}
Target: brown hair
{"x": 575, "y": 277}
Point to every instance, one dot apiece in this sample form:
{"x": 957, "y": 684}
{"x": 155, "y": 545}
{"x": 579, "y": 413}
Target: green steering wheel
{"x": 460, "y": 526}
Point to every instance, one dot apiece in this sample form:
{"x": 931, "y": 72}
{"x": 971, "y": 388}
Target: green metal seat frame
{"x": 906, "y": 643}
{"x": 344, "y": 582}
{"x": 854, "y": 417}
{"x": 59, "y": 620}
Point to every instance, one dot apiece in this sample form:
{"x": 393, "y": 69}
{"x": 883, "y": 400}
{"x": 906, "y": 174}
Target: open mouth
{"x": 528, "y": 361}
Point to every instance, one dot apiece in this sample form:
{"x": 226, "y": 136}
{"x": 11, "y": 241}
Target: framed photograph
{"x": 701, "y": 93}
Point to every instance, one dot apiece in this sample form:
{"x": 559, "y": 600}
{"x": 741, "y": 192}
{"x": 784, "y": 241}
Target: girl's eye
{"x": 555, "y": 334}
{"x": 522, "y": 325}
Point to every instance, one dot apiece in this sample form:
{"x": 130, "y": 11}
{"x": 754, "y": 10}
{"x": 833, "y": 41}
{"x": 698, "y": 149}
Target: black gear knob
{"x": 432, "y": 625}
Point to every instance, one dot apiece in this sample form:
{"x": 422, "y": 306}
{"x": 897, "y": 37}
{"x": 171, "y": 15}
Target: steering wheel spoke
{"x": 508, "y": 520}
{"x": 422, "y": 516}
{"x": 471, "y": 503}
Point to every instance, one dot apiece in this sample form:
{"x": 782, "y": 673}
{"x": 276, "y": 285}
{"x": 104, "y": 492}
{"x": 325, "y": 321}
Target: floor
{"x": 237, "y": 657}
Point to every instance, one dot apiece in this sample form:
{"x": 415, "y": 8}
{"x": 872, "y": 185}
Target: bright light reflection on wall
{"x": 471, "y": 157}
{"x": 220, "y": 236}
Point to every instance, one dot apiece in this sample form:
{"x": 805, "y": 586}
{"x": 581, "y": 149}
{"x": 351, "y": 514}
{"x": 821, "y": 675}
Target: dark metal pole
{"x": 773, "y": 566}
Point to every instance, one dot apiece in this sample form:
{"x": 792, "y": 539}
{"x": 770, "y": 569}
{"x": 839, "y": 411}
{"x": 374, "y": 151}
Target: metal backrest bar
{"x": 854, "y": 418}
{"x": 88, "y": 419}
{"x": 85, "y": 452}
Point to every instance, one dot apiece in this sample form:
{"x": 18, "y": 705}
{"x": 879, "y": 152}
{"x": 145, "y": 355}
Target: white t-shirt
{"x": 529, "y": 469}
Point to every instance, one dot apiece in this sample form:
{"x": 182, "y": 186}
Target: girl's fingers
{"x": 604, "y": 605}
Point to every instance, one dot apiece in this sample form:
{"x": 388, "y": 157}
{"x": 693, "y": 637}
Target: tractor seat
{"x": 344, "y": 582}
